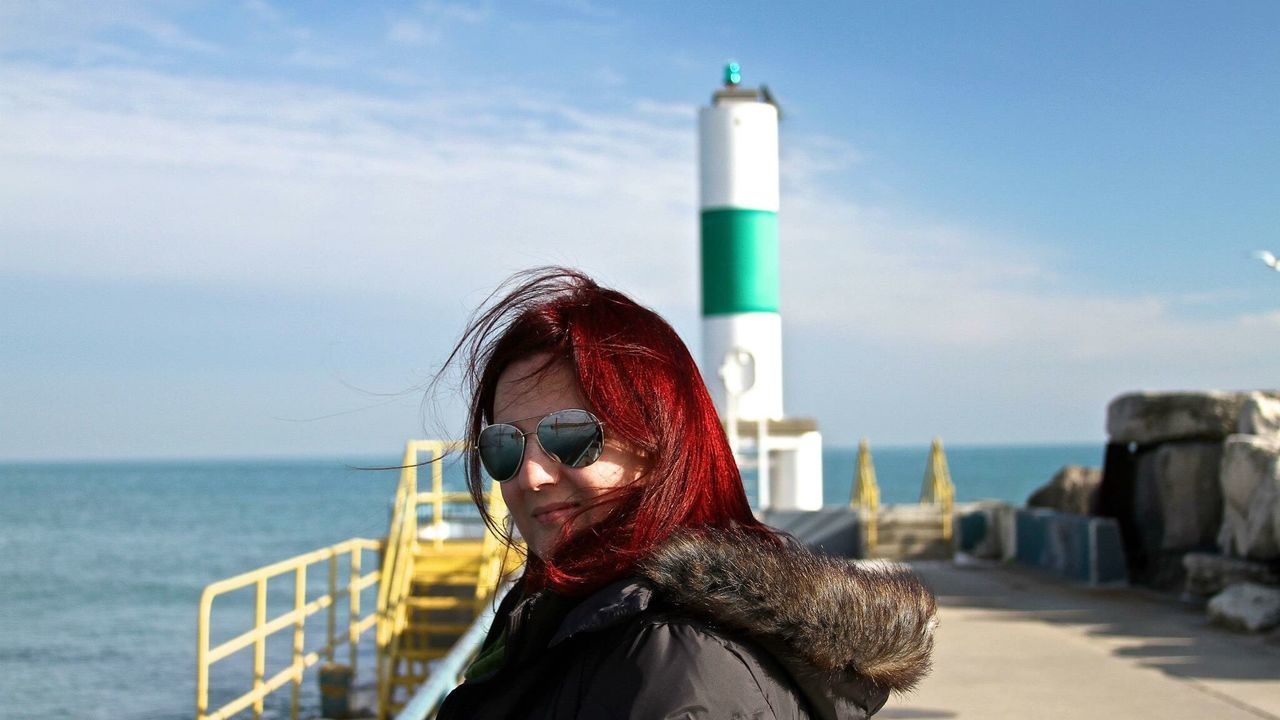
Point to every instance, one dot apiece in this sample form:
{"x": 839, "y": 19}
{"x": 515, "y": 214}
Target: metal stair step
{"x": 423, "y": 577}
{"x": 438, "y": 628}
{"x": 437, "y": 602}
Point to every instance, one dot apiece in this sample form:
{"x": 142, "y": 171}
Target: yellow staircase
{"x": 433, "y": 587}
{"x": 443, "y": 600}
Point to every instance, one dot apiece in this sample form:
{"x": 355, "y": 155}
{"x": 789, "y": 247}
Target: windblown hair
{"x": 639, "y": 378}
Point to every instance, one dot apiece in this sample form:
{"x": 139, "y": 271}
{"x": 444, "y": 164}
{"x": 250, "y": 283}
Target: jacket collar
{"x": 609, "y": 606}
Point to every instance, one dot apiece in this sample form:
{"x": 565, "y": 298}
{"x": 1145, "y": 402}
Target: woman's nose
{"x": 537, "y": 469}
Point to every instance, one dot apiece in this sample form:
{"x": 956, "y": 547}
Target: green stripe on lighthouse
{"x": 739, "y": 261}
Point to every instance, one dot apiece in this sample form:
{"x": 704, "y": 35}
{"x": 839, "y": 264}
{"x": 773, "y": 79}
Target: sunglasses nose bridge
{"x": 532, "y": 442}
{"x": 537, "y": 466}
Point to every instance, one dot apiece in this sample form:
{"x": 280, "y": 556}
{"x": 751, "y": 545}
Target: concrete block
{"x": 1077, "y": 547}
{"x": 1250, "y": 479}
{"x": 1146, "y": 418}
{"x": 1246, "y": 606}
{"x": 1109, "y": 565}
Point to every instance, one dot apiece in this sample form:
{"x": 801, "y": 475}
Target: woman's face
{"x": 544, "y": 494}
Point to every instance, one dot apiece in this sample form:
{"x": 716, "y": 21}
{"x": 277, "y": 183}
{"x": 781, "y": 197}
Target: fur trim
{"x": 836, "y": 616}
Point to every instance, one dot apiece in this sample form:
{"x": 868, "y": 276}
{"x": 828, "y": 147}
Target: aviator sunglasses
{"x": 574, "y": 438}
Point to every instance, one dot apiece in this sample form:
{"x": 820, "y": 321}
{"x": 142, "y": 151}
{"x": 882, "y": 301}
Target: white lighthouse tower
{"x": 741, "y": 323}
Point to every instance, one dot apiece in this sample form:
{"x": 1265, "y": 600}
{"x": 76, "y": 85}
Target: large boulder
{"x": 1209, "y": 574}
{"x": 1146, "y": 418}
{"x": 1260, "y": 415}
{"x": 1073, "y": 490}
{"x": 1250, "y": 479}
{"x": 1246, "y": 606}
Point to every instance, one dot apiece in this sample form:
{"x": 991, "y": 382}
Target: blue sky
{"x": 254, "y": 228}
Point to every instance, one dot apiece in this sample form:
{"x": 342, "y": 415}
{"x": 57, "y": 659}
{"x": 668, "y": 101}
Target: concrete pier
{"x": 1014, "y": 643}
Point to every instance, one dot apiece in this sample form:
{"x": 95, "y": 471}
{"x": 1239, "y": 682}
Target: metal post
{"x": 202, "y": 655}
{"x": 259, "y": 646}
{"x": 299, "y": 603}
{"x": 763, "y": 490}
{"x": 333, "y": 605}
{"x": 733, "y": 373}
{"x": 437, "y": 488}
{"x": 353, "y": 606}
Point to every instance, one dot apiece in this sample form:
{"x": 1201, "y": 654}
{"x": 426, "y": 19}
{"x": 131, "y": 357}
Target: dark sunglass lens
{"x": 501, "y": 448}
{"x": 574, "y": 437}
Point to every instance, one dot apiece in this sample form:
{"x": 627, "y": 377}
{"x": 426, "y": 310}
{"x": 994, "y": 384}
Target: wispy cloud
{"x": 310, "y": 58}
{"x": 585, "y": 8}
{"x": 608, "y": 77}
{"x": 272, "y": 17}
{"x": 263, "y": 10}
{"x": 429, "y": 199}
{"x": 432, "y": 21}
{"x": 59, "y": 25}
{"x": 220, "y": 175}
{"x": 406, "y": 31}
{"x": 469, "y": 13}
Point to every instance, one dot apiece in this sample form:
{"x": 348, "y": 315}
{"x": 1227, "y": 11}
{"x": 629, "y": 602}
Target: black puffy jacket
{"x": 719, "y": 626}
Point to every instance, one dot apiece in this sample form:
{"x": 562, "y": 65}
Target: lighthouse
{"x": 738, "y": 173}
{"x": 741, "y": 322}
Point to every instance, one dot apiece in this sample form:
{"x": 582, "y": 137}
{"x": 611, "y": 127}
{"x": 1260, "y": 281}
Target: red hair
{"x": 642, "y": 382}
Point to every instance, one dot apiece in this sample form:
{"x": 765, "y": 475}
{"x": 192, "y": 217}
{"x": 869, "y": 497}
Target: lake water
{"x": 102, "y": 564}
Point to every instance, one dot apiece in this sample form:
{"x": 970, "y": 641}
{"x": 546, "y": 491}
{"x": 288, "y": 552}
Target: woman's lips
{"x": 554, "y": 513}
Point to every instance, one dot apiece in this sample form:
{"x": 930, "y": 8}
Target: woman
{"x": 650, "y": 590}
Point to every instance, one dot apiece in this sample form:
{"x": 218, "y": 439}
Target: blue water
{"x": 102, "y": 564}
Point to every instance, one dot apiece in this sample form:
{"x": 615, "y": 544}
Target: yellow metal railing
{"x": 938, "y": 488}
{"x": 866, "y": 494}
{"x": 295, "y": 619}
{"x": 403, "y": 545}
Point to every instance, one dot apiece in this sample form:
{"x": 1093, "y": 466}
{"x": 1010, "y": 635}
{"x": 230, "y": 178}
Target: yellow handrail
{"x": 938, "y": 488}
{"x": 296, "y": 618}
{"x": 866, "y": 494}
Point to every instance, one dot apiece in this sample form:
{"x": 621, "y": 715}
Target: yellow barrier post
{"x": 866, "y": 494}
{"x": 938, "y": 488}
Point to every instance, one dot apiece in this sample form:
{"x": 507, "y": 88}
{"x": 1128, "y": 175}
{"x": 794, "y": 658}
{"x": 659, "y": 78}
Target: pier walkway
{"x": 1016, "y": 644}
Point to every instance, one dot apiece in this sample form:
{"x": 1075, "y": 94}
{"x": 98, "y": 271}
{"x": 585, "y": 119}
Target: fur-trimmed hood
{"x": 833, "y": 623}
{"x": 712, "y": 624}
